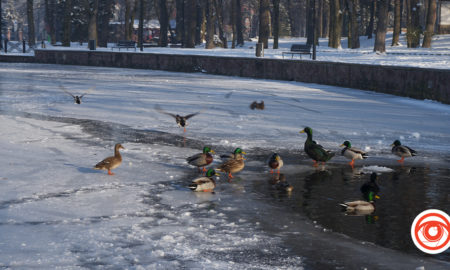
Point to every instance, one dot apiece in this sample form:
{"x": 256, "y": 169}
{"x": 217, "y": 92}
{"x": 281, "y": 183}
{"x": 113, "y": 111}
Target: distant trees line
{"x": 216, "y": 21}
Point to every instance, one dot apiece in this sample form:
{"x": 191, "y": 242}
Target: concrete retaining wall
{"x": 417, "y": 83}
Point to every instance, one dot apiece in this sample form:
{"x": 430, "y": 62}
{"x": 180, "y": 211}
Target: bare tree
{"x": 397, "y": 22}
{"x": 370, "y": 27}
{"x": 91, "y": 7}
{"x": 209, "y": 24}
{"x": 128, "y": 19}
{"x": 30, "y": 18}
{"x": 353, "y": 7}
{"x": 105, "y": 13}
{"x": 276, "y": 22}
{"x": 380, "y": 39}
{"x": 190, "y": 23}
{"x": 50, "y": 11}
{"x": 431, "y": 20}
{"x": 1, "y": 25}
{"x": 335, "y": 24}
{"x": 164, "y": 24}
{"x": 67, "y": 23}
{"x": 179, "y": 5}
{"x": 264, "y": 22}
{"x": 238, "y": 22}
{"x": 413, "y": 25}
{"x": 218, "y": 4}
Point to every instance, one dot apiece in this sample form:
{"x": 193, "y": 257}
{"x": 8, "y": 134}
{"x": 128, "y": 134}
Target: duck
{"x": 237, "y": 152}
{"x": 402, "y": 150}
{"x": 275, "y": 162}
{"x": 352, "y": 153}
{"x": 112, "y": 162}
{"x": 204, "y": 183}
{"x": 232, "y": 166}
{"x": 256, "y": 105}
{"x": 361, "y": 207}
{"x": 314, "y": 150}
{"x": 201, "y": 159}
{"x": 76, "y": 98}
{"x": 179, "y": 119}
{"x": 370, "y": 186}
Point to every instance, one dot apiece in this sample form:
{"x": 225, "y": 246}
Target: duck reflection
{"x": 278, "y": 182}
{"x": 364, "y": 207}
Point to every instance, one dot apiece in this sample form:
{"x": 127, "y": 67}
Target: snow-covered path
{"x": 56, "y": 212}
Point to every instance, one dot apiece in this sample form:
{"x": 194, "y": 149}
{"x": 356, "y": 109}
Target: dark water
{"x": 404, "y": 193}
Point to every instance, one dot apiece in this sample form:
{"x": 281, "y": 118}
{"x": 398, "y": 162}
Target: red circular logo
{"x": 430, "y": 231}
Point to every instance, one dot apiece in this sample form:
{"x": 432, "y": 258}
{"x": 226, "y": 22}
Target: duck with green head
{"x": 205, "y": 183}
{"x": 314, "y": 150}
{"x": 352, "y": 153}
{"x": 402, "y": 151}
{"x": 202, "y": 159}
{"x": 361, "y": 207}
{"x": 275, "y": 162}
{"x": 233, "y": 165}
{"x": 236, "y": 153}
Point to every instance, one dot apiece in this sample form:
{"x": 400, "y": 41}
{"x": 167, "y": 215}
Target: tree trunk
{"x": 326, "y": 19}
{"x": 219, "y": 7}
{"x": 67, "y": 23}
{"x": 335, "y": 24}
{"x": 190, "y": 23}
{"x": 291, "y": 17}
{"x": 1, "y": 28}
{"x": 276, "y": 22}
{"x": 50, "y": 19}
{"x": 397, "y": 23}
{"x": 180, "y": 21}
{"x": 200, "y": 22}
{"x": 92, "y": 19}
{"x": 209, "y": 25}
{"x": 309, "y": 22}
{"x": 431, "y": 20}
{"x": 319, "y": 20}
{"x": 30, "y": 19}
{"x": 141, "y": 24}
{"x": 128, "y": 12}
{"x": 354, "y": 26}
{"x": 413, "y": 28}
{"x": 240, "y": 34}
{"x": 369, "y": 30}
{"x": 380, "y": 39}
{"x": 264, "y": 22}
{"x": 233, "y": 23}
{"x": 164, "y": 24}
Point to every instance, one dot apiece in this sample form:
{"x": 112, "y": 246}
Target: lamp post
{"x": 314, "y": 30}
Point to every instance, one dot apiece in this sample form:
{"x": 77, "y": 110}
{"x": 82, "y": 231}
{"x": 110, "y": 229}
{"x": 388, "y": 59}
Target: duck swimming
{"x": 352, "y": 153}
{"x": 314, "y": 150}
{"x": 402, "y": 151}
{"x": 110, "y": 163}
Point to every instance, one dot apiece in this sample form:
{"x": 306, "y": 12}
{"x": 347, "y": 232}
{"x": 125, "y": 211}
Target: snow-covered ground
{"x": 436, "y": 57}
{"x": 57, "y": 212}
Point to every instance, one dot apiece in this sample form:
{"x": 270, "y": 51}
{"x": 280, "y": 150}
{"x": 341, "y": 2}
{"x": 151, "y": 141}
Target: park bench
{"x": 299, "y": 49}
{"x": 125, "y": 44}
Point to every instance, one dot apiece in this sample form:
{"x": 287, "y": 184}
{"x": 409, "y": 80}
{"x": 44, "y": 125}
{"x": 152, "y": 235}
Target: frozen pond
{"x": 55, "y": 211}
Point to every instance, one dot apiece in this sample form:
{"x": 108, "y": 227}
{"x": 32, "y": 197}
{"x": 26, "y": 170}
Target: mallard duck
{"x": 201, "y": 159}
{"x": 110, "y": 163}
{"x": 76, "y": 99}
{"x": 361, "y": 207}
{"x": 205, "y": 183}
{"x": 314, "y": 150}
{"x": 180, "y": 120}
{"x": 236, "y": 153}
{"x": 352, "y": 153}
{"x": 256, "y": 105}
{"x": 232, "y": 166}
{"x": 370, "y": 186}
{"x": 275, "y": 162}
{"x": 402, "y": 150}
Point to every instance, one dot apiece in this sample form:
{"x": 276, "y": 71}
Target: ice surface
{"x": 57, "y": 212}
